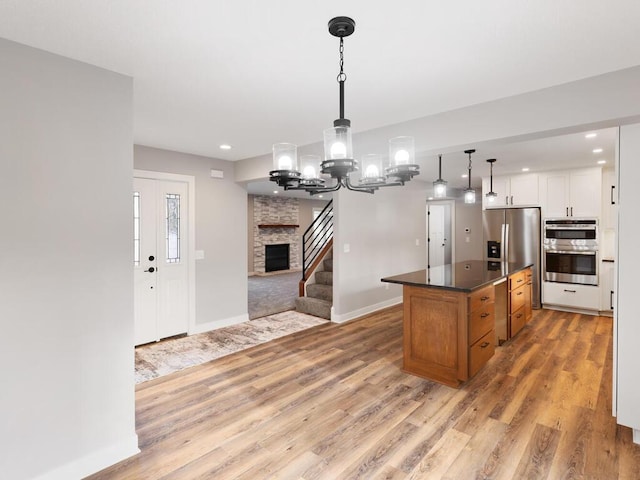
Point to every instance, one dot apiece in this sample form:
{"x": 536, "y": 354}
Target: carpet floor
{"x": 271, "y": 294}
{"x": 171, "y": 355}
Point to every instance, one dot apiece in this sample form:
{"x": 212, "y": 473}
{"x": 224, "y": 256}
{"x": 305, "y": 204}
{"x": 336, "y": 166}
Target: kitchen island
{"x": 454, "y": 315}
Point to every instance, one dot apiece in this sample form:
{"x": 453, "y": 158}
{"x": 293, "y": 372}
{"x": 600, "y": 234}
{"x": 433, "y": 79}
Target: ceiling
{"x": 251, "y": 73}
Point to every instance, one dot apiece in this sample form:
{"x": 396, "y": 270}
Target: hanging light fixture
{"x": 339, "y": 162}
{"x": 491, "y": 196}
{"x": 469, "y": 193}
{"x": 440, "y": 185}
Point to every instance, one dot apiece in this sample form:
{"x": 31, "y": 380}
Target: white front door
{"x": 161, "y": 280}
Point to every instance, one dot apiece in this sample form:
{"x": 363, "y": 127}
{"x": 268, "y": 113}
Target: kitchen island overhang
{"x": 449, "y": 316}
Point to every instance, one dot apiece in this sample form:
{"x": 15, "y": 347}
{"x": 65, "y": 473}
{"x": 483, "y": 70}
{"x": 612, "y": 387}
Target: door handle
{"x": 484, "y": 344}
{"x": 150, "y": 270}
{"x": 613, "y": 202}
{"x": 572, "y": 211}
{"x": 511, "y": 199}
{"x": 569, "y": 291}
{"x": 484, "y": 315}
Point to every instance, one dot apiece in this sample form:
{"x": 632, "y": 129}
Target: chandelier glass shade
{"x": 469, "y": 193}
{"x": 339, "y": 162}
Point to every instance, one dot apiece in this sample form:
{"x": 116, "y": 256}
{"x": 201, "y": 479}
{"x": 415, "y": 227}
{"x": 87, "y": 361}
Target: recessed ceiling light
{"x": 601, "y": 162}
{"x": 225, "y": 146}
{"x": 591, "y": 135}
{"x": 464, "y": 175}
{"x": 525, "y": 169}
{"x": 597, "y": 150}
{"x": 275, "y": 191}
{"x": 429, "y": 198}
{"x": 319, "y": 196}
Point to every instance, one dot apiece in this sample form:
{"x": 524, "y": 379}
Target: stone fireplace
{"x": 275, "y": 222}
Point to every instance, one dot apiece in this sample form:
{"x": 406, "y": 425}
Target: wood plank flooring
{"x": 332, "y": 403}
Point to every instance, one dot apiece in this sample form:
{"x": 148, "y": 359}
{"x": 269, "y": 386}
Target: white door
{"x": 161, "y": 300}
{"x": 436, "y": 235}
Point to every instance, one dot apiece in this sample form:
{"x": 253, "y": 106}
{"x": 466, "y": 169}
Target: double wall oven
{"x": 571, "y": 251}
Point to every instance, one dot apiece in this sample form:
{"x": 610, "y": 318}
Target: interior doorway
{"x": 440, "y": 242}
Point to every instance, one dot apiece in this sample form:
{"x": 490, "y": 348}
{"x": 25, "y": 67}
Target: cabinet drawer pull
{"x": 569, "y": 291}
{"x": 520, "y": 280}
{"x": 519, "y": 315}
{"x": 484, "y": 299}
{"x": 484, "y": 344}
{"x": 484, "y": 315}
{"x": 519, "y": 293}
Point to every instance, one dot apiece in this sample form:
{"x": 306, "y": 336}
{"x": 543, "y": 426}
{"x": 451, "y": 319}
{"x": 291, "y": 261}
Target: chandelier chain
{"x": 342, "y": 76}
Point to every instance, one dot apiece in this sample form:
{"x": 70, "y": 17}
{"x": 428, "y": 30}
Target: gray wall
{"x": 66, "y": 289}
{"x": 380, "y": 232}
{"x": 221, "y": 222}
{"x": 468, "y": 245}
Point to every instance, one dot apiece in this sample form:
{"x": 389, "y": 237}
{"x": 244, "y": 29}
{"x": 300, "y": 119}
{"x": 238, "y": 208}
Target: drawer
{"x": 585, "y": 297}
{"x": 481, "y": 351}
{"x": 517, "y": 279}
{"x": 480, "y": 298}
{"x": 518, "y": 320}
{"x": 518, "y": 298}
{"x": 481, "y": 322}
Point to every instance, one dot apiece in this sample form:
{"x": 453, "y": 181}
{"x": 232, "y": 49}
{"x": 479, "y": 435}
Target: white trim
{"x": 345, "y": 317}
{"x": 227, "y": 322}
{"x": 190, "y": 180}
{"x": 636, "y": 436}
{"x": 94, "y": 462}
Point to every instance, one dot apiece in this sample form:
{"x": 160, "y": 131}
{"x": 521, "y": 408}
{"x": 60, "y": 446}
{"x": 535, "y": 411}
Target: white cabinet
{"x": 512, "y": 191}
{"x": 575, "y": 193}
{"x": 606, "y": 286}
{"x": 570, "y": 295}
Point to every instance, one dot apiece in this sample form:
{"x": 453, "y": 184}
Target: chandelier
{"x": 339, "y": 162}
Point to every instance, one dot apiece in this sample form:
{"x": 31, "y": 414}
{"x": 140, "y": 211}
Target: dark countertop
{"x": 461, "y": 276}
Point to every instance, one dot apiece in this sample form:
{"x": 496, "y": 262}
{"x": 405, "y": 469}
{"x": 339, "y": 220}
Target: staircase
{"x": 316, "y": 286}
{"x": 319, "y": 298}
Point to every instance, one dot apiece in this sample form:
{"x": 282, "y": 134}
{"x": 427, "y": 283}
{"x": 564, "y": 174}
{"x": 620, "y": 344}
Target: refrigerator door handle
{"x": 502, "y": 245}
{"x": 505, "y": 258}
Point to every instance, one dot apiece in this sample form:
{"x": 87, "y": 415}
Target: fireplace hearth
{"x": 276, "y": 257}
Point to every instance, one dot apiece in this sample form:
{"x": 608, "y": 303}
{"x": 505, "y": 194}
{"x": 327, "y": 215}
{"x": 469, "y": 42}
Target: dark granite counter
{"x": 461, "y": 276}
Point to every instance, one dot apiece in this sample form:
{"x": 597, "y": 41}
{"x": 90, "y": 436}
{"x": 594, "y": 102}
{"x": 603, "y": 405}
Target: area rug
{"x": 158, "y": 359}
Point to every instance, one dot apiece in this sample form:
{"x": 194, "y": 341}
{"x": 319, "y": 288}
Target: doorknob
{"x": 151, "y": 270}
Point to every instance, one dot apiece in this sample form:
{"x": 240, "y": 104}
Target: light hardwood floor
{"x": 332, "y": 403}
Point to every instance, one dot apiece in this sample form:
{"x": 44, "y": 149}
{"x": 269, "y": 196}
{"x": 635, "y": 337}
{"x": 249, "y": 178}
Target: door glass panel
{"x": 173, "y": 227}
{"x": 136, "y": 228}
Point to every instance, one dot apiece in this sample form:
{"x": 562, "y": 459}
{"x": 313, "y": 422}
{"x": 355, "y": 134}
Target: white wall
{"x": 627, "y": 331}
{"x": 469, "y": 245}
{"x": 381, "y": 232}
{"x": 221, "y": 231}
{"x": 66, "y": 289}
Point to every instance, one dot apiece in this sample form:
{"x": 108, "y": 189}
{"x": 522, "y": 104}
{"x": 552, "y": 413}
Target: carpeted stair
{"x": 319, "y": 297}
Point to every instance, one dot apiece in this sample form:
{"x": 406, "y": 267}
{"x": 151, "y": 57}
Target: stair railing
{"x": 316, "y": 242}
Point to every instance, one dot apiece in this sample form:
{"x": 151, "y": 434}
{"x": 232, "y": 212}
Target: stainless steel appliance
{"x": 513, "y": 235}
{"x": 571, "y": 251}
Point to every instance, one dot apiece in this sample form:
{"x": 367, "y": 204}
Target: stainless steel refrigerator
{"x": 513, "y": 235}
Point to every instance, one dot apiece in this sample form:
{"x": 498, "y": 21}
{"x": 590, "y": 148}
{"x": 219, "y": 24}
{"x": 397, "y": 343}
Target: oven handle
{"x": 572, "y": 252}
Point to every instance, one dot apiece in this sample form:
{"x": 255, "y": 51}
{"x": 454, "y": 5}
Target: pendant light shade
{"x": 469, "y": 193}
{"x": 440, "y": 185}
{"x": 491, "y": 195}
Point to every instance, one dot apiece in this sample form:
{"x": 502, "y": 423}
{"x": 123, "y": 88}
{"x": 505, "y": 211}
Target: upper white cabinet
{"x": 512, "y": 191}
{"x": 609, "y": 199}
{"x": 575, "y": 193}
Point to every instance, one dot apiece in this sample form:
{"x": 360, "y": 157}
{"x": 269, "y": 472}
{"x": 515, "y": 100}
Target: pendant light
{"x": 440, "y": 185}
{"x": 469, "y": 193}
{"x": 339, "y": 162}
{"x": 491, "y": 196}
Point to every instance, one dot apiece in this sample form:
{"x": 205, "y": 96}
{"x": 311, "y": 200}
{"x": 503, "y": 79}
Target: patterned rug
{"x": 168, "y": 356}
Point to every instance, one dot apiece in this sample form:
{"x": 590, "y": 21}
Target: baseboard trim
{"x": 226, "y": 322}
{"x": 345, "y": 317}
{"x": 94, "y": 462}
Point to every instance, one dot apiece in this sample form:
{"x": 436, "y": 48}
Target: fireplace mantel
{"x": 277, "y": 225}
